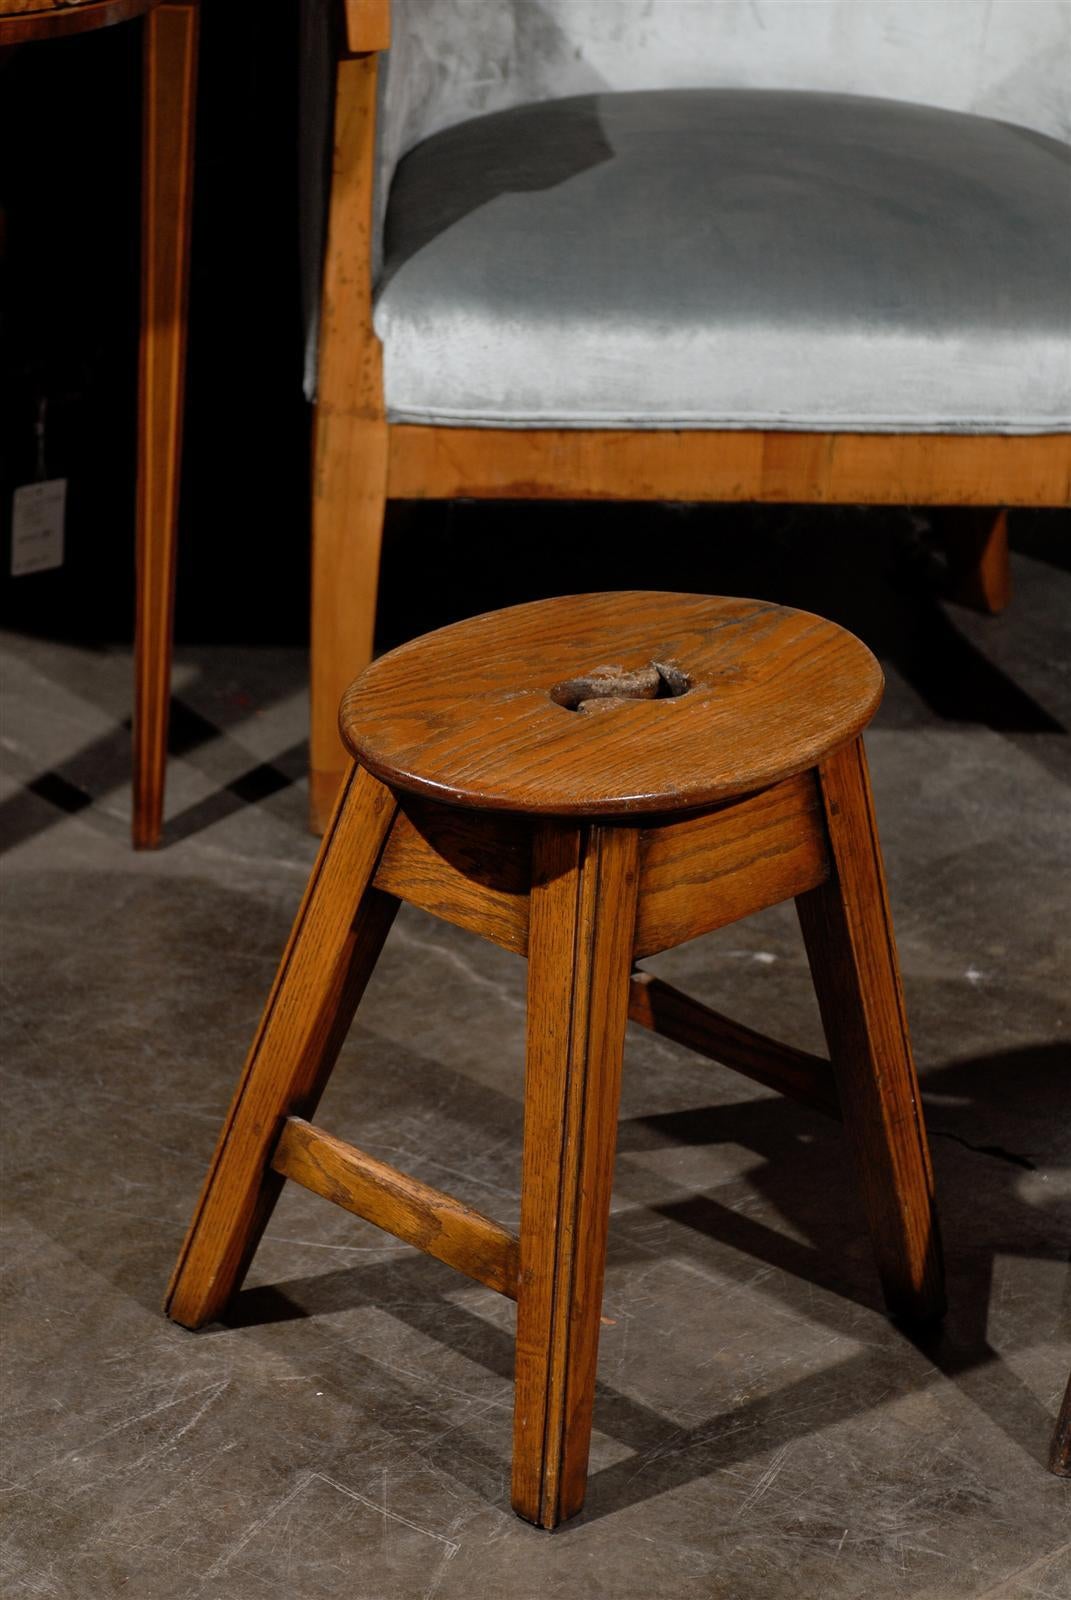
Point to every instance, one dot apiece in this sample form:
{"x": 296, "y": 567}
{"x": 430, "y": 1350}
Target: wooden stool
{"x": 587, "y": 781}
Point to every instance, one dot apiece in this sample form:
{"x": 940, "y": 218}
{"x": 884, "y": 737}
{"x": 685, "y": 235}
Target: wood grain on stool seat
{"x": 708, "y": 698}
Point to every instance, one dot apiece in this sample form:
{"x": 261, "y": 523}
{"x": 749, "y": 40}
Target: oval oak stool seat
{"x": 587, "y": 781}
{"x": 499, "y": 711}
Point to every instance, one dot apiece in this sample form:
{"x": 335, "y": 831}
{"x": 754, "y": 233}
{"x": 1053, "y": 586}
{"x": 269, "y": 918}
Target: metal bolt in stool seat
{"x": 587, "y": 781}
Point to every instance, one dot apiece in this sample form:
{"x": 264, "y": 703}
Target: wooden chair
{"x": 170, "y": 67}
{"x": 370, "y": 440}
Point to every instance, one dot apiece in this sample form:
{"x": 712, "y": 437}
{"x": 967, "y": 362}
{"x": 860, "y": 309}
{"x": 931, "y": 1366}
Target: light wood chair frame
{"x": 361, "y": 459}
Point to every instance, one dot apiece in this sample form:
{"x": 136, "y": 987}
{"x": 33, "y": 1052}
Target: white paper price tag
{"x": 37, "y": 526}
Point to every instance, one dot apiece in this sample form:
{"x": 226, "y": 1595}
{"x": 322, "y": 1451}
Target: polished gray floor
{"x": 762, "y": 1430}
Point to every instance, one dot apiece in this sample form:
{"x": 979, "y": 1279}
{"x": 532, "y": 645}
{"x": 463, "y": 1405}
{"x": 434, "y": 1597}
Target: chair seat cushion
{"x": 730, "y": 258}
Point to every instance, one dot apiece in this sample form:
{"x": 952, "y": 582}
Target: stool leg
{"x": 333, "y": 947}
{"x": 848, "y": 931}
{"x": 583, "y": 910}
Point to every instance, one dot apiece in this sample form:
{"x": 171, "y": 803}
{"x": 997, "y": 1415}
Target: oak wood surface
{"x": 333, "y": 946}
{"x": 666, "y": 464}
{"x": 584, "y": 887}
{"x": 847, "y": 928}
{"x": 473, "y": 871}
{"x": 413, "y": 1211}
{"x": 696, "y": 874}
{"x": 9, "y": 8}
{"x": 349, "y": 435}
{"x": 705, "y": 871}
{"x": 26, "y": 21}
{"x": 170, "y": 74}
{"x": 466, "y": 715}
{"x": 665, "y": 1010}
{"x": 367, "y": 26}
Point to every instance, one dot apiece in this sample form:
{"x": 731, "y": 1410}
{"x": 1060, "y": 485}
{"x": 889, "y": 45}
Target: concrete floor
{"x": 761, "y": 1429}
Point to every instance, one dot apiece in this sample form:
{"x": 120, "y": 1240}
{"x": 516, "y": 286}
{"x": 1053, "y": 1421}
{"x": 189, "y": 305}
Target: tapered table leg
{"x": 333, "y": 948}
{"x": 170, "y": 72}
{"x": 848, "y": 931}
{"x": 583, "y": 909}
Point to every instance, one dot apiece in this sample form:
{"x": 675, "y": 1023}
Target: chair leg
{"x": 848, "y": 932}
{"x": 333, "y": 947}
{"x": 170, "y": 72}
{"x": 583, "y": 908}
{"x": 349, "y": 501}
{"x": 350, "y": 452}
{"x": 976, "y": 541}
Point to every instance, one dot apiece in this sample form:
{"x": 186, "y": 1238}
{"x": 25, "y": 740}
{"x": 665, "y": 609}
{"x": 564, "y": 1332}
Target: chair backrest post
{"x": 367, "y": 26}
{"x": 351, "y": 365}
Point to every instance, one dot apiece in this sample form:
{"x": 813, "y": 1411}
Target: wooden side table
{"x": 170, "y": 69}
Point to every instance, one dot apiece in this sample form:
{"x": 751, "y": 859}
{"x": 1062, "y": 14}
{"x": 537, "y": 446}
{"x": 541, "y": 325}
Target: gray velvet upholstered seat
{"x": 730, "y": 258}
